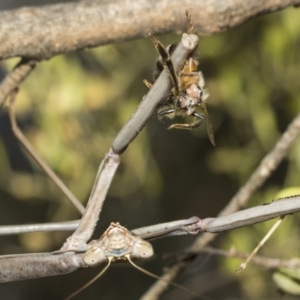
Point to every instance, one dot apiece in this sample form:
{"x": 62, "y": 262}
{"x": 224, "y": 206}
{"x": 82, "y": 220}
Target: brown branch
{"x": 34, "y": 154}
{"x": 15, "y": 77}
{"x": 42, "y": 32}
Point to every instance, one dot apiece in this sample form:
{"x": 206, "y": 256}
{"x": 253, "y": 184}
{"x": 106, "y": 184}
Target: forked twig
{"x": 258, "y": 177}
{"x": 22, "y": 139}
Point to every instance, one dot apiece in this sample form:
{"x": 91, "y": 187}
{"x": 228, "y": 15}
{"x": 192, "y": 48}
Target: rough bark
{"x": 42, "y": 32}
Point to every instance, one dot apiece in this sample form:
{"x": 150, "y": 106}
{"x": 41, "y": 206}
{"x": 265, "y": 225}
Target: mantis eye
{"x": 142, "y": 249}
{"x": 94, "y": 257}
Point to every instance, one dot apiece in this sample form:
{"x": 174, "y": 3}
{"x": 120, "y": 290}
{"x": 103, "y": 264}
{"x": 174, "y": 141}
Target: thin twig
{"x": 59, "y": 226}
{"x": 15, "y": 77}
{"x": 22, "y": 139}
{"x": 258, "y": 177}
{"x": 154, "y": 293}
{"x": 269, "y": 263}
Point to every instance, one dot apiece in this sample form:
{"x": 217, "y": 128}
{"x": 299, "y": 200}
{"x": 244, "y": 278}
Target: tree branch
{"x": 18, "y": 229}
{"x": 35, "y": 265}
{"x": 26, "y": 266}
{"x": 15, "y": 77}
{"x": 73, "y": 26}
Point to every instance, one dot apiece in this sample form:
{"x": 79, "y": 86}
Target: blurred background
{"x": 71, "y": 109}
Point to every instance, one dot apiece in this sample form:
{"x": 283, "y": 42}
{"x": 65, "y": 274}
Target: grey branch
{"x": 22, "y": 267}
{"x": 87, "y": 224}
{"x": 42, "y": 32}
{"x": 28, "y": 266}
{"x": 254, "y": 215}
{"x": 193, "y": 225}
{"x": 17, "y": 229}
{"x": 156, "y": 95}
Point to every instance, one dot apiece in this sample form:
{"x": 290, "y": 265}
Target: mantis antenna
{"x": 91, "y": 281}
{"x": 159, "y": 278}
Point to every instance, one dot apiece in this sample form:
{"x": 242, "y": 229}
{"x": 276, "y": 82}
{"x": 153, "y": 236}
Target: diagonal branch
{"x": 44, "y": 166}
{"x": 156, "y": 95}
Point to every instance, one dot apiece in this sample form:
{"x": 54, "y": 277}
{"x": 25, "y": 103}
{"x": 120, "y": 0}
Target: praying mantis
{"x": 118, "y": 244}
{"x": 103, "y": 251}
{"x": 78, "y": 241}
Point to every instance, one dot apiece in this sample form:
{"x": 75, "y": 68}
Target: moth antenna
{"x": 190, "y": 22}
{"x": 159, "y": 278}
{"x": 91, "y": 281}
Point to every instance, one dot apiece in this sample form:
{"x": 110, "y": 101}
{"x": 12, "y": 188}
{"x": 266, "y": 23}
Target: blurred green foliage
{"x": 288, "y": 280}
{"x": 72, "y": 107}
